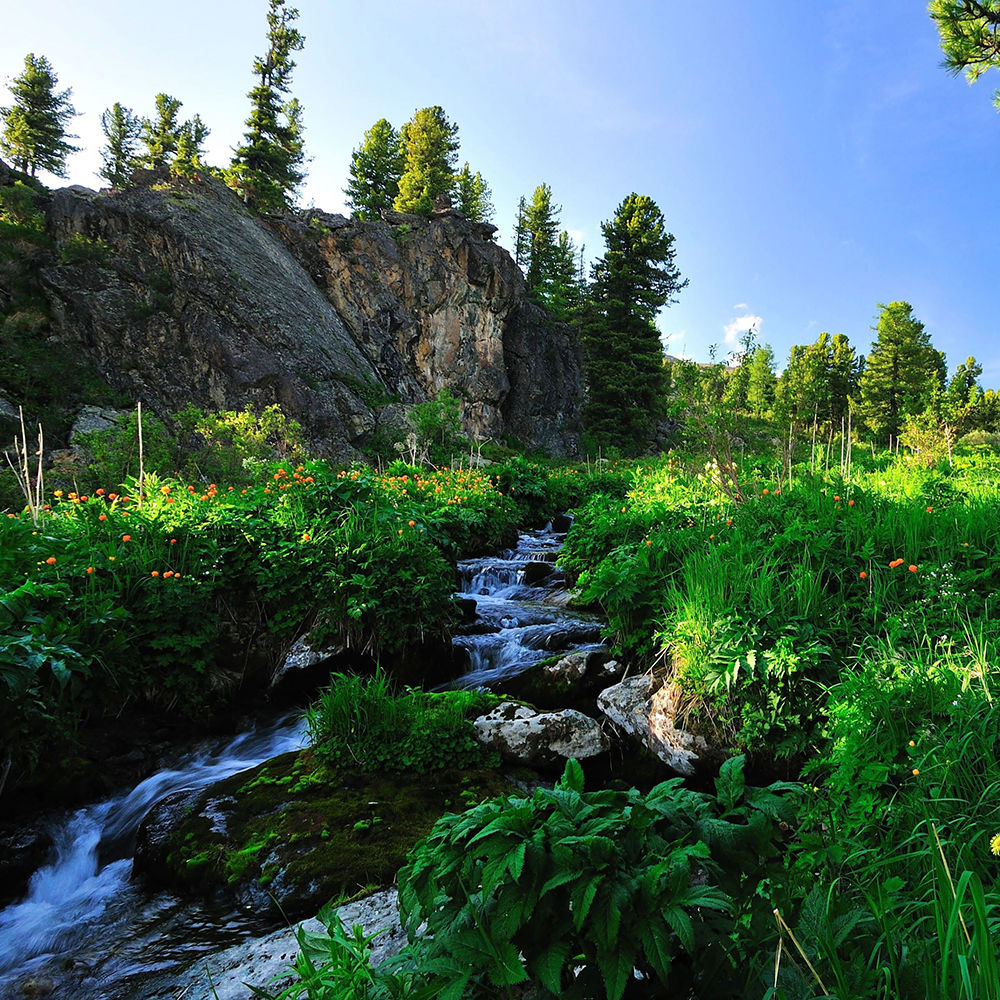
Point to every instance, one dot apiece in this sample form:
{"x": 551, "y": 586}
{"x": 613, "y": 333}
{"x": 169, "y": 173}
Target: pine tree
{"x": 118, "y": 157}
{"x": 970, "y": 36}
{"x": 161, "y": 134}
{"x": 475, "y": 199}
{"x": 636, "y": 277}
{"x": 541, "y": 223}
{"x": 902, "y": 373}
{"x": 376, "y": 166}
{"x": 430, "y": 146}
{"x": 266, "y": 168}
{"x": 34, "y": 127}
{"x": 192, "y": 137}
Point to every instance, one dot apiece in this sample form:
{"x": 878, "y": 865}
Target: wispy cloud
{"x": 738, "y": 325}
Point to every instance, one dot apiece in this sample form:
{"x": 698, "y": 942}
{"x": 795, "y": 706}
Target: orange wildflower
{"x": 51, "y": 560}
{"x": 154, "y": 573}
{"x": 863, "y": 575}
{"x": 102, "y": 517}
{"x": 126, "y": 538}
{"x": 912, "y": 568}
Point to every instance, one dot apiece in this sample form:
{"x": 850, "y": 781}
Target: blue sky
{"x": 812, "y": 159}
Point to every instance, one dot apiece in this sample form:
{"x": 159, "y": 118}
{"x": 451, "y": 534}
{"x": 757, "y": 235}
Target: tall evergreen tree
{"x": 844, "y": 375}
{"x": 475, "y": 200}
{"x": 266, "y": 168}
{"x": 541, "y": 223}
{"x": 636, "y": 277}
{"x": 34, "y": 127}
{"x": 902, "y": 373}
{"x": 565, "y": 291}
{"x": 121, "y": 130}
{"x": 430, "y": 145}
{"x": 521, "y": 236}
{"x": 376, "y": 166}
{"x": 161, "y": 134}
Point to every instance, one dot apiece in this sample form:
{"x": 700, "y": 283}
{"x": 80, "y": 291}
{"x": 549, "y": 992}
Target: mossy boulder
{"x": 288, "y": 835}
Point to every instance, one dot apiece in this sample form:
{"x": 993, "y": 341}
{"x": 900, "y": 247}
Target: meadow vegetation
{"x": 833, "y": 629}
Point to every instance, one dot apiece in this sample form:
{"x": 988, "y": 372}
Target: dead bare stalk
{"x": 33, "y": 492}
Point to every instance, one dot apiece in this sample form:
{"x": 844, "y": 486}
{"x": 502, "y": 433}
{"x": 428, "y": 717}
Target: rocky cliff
{"x": 177, "y": 294}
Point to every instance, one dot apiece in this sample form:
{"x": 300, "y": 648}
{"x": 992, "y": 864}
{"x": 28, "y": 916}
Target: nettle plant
{"x": 581, "y": 891}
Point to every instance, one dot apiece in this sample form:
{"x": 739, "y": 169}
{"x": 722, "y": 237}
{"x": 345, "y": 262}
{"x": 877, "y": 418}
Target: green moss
{"x": 316, "y": 834}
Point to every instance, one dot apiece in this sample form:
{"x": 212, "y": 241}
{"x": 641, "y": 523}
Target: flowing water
{"x": 521, "y": 618}
{"x": 86, "y": 931}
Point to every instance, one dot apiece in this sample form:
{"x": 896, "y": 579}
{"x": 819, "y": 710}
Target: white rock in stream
{"x": 531, "y": 737}
{"x": 644, "y": 707}
{"x": 265, "y": 961}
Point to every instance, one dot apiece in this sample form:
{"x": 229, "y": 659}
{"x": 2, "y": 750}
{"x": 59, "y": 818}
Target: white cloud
{"x": 739, "y": 325}
{"x": 739, "y": 306}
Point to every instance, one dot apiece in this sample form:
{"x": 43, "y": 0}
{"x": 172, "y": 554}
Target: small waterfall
{"x": 520, "y": 614}
{"x": 86, "y": 885}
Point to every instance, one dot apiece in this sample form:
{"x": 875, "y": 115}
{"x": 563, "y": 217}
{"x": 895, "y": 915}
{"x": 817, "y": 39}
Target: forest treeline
{"x": 900, "y": 393}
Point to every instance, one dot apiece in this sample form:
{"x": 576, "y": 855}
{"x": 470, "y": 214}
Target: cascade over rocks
{"x": 179, "y": 295}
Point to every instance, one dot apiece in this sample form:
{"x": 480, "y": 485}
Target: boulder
{"x": 265, "y": 961}
{"x": 645, "y": 708}
{"x": 521, "y": 734}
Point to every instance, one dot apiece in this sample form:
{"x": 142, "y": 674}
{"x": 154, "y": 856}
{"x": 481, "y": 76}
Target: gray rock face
{"x": 184, "y": 297}
{"x": 265, "y": 961}
{"x": 179, "y": 296}
{"x": 644, "y": 708}
{"x": 540, "y": 738}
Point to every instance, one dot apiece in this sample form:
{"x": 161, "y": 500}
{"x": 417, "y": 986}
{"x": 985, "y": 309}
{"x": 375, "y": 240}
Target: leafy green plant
{"x": 575, "y": 890}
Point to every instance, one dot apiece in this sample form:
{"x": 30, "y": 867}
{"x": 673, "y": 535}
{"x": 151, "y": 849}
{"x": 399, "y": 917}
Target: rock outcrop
{"x": 179, "y": 295}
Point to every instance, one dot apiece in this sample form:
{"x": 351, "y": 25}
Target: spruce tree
{"x": 430, "y": 146}
{"x": 34, "y": 133}
{"x": 161, "y": 134}
{"x": 475, "y": 200}
{"x": 267, "y": 167}
{"x": 121, "y": 132}
{"x": 902, "y": 373}
{"x": 376, "y": 166}
{"x": 624, "y": 364}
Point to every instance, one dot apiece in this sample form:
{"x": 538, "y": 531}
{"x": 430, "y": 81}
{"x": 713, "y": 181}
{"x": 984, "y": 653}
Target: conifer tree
{"x": 521, "y": 236}
{"x": 430, "y": 146}
{"x": 376, "y": 166}
{"x": 267, "y": 167}
{"x": 34, "y": 133}
{"x": 902, "y": 373}
{"x": 475, "y": 199}
{"x": 118, "y": 157}
{"x": 970, "y": 36}
{"x": 541, "y": 223}
{"x": 636, "y": 277}
{"x": 161, "y": 134}
{"x": 192, "y": 137}
{"x": 565, "y": 292}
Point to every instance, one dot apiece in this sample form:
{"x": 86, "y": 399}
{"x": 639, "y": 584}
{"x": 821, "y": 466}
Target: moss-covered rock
{"x": 288, "y": 836}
